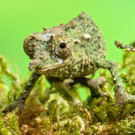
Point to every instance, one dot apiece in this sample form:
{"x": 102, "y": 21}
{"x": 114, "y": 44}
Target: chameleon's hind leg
{"x": 19, "y": 102}
{"x": 93, "y": 84}
{"x": 122, "y": 96}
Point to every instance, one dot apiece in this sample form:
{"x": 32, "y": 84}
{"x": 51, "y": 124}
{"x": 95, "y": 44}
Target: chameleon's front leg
{"x": 122, "y": 96}
{"x": 19, "y": 102}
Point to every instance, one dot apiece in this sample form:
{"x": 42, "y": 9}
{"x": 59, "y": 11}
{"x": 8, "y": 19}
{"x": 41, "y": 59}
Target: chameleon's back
{"x": 83, "y": 29}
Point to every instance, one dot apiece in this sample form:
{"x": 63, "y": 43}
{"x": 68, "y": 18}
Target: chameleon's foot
{"x": 124, "y": 101}
{"x": 123, "y": 98}
{"x": 12, "y": 106}
{"x": 95, "y": 86}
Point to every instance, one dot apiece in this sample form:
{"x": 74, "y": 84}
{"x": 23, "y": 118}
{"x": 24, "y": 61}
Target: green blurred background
{"x": 19, "y": 18}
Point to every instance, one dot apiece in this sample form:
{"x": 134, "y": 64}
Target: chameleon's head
{"x": 48, "y": 51}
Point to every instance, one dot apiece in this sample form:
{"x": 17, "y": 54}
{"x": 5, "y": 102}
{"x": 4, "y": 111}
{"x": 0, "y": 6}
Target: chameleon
{"x": 74, "y": 50}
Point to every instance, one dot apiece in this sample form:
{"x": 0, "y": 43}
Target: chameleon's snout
{"x": 33, "y": 64}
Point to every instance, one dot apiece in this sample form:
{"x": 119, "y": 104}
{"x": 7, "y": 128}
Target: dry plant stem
{"x": 19, "y": 102}
{"x": 89, "y": 116}
{"x": 127, "y": 48}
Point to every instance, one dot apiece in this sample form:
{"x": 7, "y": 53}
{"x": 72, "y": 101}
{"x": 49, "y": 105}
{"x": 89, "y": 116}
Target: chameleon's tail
{"x": 130, "y": 48}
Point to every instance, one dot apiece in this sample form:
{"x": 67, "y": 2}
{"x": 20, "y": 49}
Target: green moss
{"x": 47, "y": 111}
{"x": 3, "y": 129}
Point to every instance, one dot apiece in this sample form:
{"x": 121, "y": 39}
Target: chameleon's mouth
{"x": 43, "y": 70}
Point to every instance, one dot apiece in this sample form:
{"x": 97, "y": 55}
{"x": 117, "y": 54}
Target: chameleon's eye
{"x": 63, "y": 50}
{"x": 62, "y": 45}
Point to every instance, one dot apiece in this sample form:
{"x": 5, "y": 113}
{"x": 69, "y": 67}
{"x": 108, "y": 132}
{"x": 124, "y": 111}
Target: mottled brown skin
{"x": 73, "y": 51}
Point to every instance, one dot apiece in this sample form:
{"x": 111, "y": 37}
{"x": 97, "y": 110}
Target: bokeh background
{"x": 19, "y": 18}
